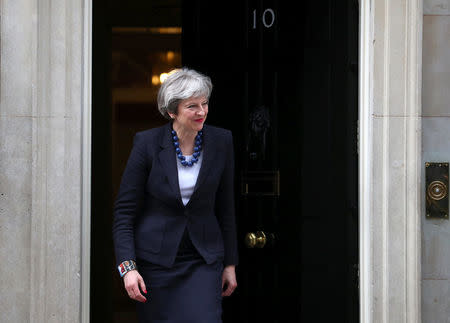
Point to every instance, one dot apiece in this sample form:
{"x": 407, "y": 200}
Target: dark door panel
{"x": 282, "y": 85}
{"x": 285, "y": 80}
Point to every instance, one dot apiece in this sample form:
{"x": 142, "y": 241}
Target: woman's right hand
{"x": 133, "y": 281}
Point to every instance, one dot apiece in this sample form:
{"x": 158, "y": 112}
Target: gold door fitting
{"x": 255, "y": 240}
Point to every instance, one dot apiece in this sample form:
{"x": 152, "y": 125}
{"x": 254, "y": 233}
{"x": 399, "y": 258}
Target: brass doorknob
{"x": 255, "y": 240}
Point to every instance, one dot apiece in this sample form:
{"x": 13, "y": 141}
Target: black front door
{"x": 285, "y": 83}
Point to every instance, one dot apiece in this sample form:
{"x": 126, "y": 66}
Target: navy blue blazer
{"x": 149, "y": 215}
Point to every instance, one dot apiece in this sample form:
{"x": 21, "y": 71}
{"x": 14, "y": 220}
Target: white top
{"x": 187, "y": 177}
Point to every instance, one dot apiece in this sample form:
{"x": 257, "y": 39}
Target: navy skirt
{"x": 188, "y": 292}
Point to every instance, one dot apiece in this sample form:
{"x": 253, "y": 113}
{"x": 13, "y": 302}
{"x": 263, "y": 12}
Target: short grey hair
{"x": 182, "y": 84}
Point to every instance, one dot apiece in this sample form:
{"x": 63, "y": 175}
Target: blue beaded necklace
{"x": 197, "y": 149}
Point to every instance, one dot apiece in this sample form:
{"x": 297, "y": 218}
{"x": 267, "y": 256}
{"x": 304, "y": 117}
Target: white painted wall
{"x": 436, "y": 147}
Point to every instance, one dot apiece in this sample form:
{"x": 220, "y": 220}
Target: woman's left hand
{"x": 229, "y": 279}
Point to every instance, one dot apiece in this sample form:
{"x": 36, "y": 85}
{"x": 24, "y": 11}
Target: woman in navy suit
{"x": 174, "y": 224}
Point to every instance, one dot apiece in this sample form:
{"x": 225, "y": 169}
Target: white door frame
{"x": 390, "y": 184}
{"x": 365, "y": 165}
{"x": 389, "y": 206}
{"x": 86, "y": 140}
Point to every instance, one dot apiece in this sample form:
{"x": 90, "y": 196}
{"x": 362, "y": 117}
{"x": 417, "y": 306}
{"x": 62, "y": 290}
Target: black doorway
{"x": 285, "y": 82}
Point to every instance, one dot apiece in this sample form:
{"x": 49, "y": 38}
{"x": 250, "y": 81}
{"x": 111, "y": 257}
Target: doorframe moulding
{"x": 59, "y": 68}
{"x": 382, "y": 298}
{"x": 390, "y": 182}
{"x": 86, "y": 141}
{"x": 365, "y": 161}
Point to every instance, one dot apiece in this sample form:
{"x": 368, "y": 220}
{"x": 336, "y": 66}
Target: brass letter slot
{"x": 436, "y": 190}
{"x": 260, "y": 183}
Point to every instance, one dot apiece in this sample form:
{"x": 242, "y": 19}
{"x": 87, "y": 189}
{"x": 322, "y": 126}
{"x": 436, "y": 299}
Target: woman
{"x": 174, "y": 225}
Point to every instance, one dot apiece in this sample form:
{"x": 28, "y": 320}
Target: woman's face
{"x": 191, "y": 113}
